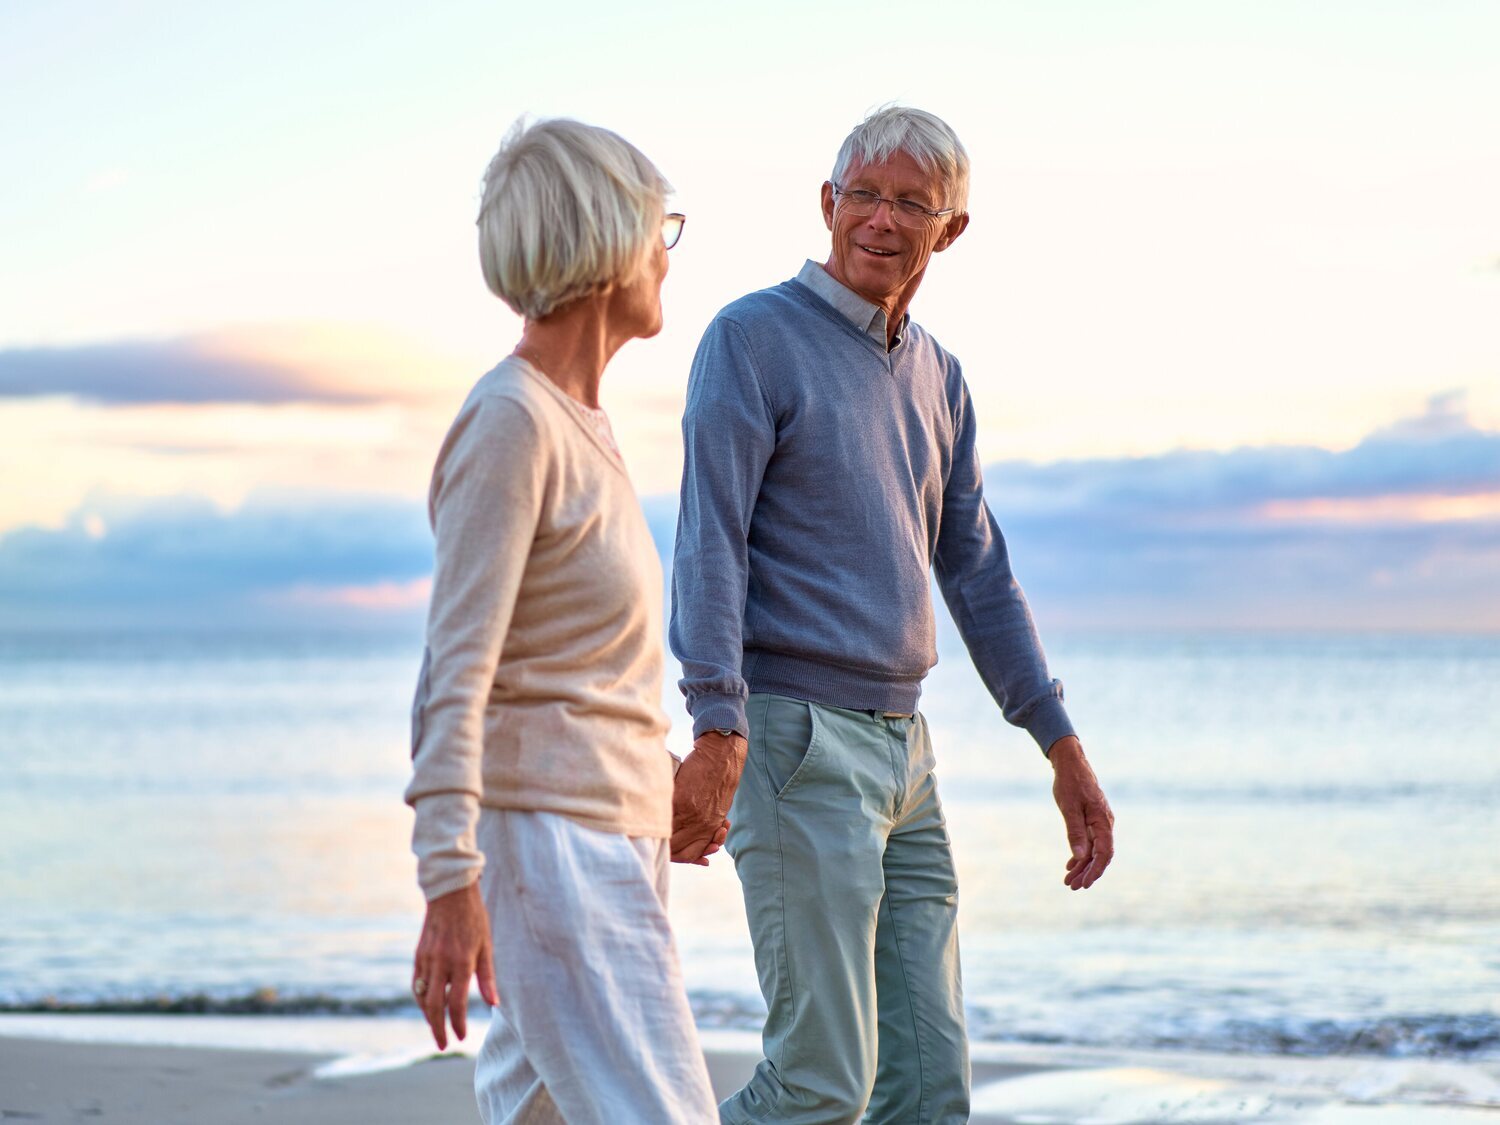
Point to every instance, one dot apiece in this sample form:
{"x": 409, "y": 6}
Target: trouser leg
{"x": 594, "y": 1025}
{"x": 923, "y": 1072}
{"x": 809, "y": 824}
{"x": 506, "y": 1086}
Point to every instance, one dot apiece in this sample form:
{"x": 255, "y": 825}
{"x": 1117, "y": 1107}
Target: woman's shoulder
{"x": 510, "y": 396}
{"x": 505, "y": 418}
{"x": 511, "y": 385}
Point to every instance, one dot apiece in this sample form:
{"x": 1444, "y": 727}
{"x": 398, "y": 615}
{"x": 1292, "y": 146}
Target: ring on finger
{"x": 419, "y": 987}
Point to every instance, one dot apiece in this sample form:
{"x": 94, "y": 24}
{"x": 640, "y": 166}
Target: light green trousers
{"x": 839, "y": 842}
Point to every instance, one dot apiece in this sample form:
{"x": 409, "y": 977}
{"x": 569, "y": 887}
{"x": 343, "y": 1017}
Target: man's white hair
{"x": 926, "y": 138}
{"x": 566, "y": 208}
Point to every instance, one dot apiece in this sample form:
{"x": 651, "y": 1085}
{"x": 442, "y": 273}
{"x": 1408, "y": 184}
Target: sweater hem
{"x": 615, "y": 826}
{"x": 850, "y": 688}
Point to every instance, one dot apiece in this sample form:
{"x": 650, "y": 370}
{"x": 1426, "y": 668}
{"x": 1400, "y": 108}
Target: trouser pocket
{"x": 788, "y": 741}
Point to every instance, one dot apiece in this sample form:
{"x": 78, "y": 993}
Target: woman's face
{"x": 635, "y": 302}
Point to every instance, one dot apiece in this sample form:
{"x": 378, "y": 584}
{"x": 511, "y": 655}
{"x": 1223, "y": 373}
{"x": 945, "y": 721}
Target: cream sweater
{"x": 541, "y": 683}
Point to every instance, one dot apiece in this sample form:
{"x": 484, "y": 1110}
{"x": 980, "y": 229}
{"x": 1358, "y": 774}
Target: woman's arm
{"x": 486, "y": 500}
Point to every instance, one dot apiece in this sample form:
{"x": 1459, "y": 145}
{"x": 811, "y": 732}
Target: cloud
{"x": 189, "y": 371}
{"x": 179, "y": 558}
{"x": 1438, "y": 451}
{"x": 329, "y": 364}
{"x": 1401, "y": 531}
{"x": 393, "y": 596}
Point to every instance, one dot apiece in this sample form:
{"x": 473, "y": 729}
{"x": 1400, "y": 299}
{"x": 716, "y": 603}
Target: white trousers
{"x": 593, "y": 1026}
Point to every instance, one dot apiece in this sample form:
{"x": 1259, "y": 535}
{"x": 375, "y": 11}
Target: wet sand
{"x": 52, "y": 1080}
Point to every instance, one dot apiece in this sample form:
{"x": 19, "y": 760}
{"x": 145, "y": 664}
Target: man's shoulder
{"x": 924, "y": 349}
{"x": 762, "y": 308}
{"x": 926, "y": 345}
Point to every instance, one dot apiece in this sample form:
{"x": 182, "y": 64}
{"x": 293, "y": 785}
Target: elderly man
{"x": 830, "y": 466}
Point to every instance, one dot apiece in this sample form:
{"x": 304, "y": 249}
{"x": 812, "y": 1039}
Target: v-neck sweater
{"x": 826, "y": 480}
{"x": 541, "y": 684}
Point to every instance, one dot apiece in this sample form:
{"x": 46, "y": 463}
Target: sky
{"x": 1229, "y": 304}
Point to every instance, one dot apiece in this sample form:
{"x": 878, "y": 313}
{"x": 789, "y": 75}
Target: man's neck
{"x": 894, "y": 305}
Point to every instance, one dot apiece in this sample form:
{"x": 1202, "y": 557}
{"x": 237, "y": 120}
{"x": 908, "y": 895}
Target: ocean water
{"x": 1307, "y": 832}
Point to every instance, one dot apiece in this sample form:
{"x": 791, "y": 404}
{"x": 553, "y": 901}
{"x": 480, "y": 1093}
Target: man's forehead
{"x": 900, "y": 167}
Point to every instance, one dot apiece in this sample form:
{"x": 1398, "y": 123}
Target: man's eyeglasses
{"x": 906, "y": 212}
{"x": 671, "y": 228}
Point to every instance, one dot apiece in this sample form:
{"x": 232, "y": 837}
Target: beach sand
{"x": 52, "y": 1080}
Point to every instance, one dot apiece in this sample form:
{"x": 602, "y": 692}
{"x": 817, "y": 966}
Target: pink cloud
{"x": 1389, "y": 509}
{"x": 377, "y": 597}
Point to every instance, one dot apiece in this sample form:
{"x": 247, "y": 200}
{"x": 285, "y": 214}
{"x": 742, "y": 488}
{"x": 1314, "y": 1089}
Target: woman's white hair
{"x": 566, "y": 208}
{"x": 927, "y": 139}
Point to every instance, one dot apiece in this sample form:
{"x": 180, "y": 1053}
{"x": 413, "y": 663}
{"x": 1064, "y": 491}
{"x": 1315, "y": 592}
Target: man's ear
{"x": 828, "y": 204}
{"x": 956, "y": 226}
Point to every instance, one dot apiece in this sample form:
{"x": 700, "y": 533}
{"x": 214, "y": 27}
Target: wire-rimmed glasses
{"x": 671, "y": 228}
{"x": 906, "y": 212}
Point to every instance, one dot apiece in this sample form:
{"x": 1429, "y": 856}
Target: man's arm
{"x": 729, "y": 433}
{"x": 974, "y": 574}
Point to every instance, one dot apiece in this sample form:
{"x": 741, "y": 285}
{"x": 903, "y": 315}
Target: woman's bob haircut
{"x": 566, "y": 209}
{"x": 924, "y": 137}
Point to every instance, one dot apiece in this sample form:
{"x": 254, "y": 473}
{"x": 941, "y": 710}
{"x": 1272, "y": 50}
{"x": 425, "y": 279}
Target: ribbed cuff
{"x": 1048, "y": 722}
{"x": 719, "y": 711}
{"x": 448, "y": 856}
{"x": 450, "y": 884}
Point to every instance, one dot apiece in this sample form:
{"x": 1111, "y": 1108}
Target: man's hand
{"x": 1091, "y": 824}
{"x": 702, "y": 794}
{"x": 455, "y": 945}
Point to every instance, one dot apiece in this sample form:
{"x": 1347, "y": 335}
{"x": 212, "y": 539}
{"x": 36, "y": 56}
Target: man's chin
{"x": 878, "y": 290}
{"x": 874, "y": 280}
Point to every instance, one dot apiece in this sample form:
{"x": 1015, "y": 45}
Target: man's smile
{"x": 877, "y": 251}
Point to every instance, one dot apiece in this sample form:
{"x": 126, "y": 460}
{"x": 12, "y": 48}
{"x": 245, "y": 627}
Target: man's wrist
{"x": 1067, "y": 748}
{"x": 722, "y": 745}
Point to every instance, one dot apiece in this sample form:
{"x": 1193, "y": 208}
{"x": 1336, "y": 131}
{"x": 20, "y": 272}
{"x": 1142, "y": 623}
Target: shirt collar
{"x": 867, "y": 318}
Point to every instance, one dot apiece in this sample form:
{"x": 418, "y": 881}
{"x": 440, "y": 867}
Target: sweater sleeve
{"x": 728, "y": 433}
{"x": 973, "y": 572}
{"x": 485, "y": 503}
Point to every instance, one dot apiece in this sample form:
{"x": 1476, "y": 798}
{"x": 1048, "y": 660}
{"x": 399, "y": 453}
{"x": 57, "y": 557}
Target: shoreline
{"x": 122, "y": 1070}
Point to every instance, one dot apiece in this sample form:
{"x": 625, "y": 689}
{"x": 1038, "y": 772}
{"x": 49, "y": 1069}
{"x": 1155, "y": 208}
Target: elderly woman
{"x": 541, "y": 780}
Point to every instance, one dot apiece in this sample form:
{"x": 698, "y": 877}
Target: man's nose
{"x": 874, "y": 218}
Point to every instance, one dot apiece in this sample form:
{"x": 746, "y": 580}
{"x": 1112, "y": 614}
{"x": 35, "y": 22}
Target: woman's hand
{"x": 454, "y": 946}
{"x": 696, "y": 853}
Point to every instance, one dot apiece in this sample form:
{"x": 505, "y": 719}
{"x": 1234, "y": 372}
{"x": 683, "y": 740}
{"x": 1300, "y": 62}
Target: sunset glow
{"x": 1386, "y": 509}
{"x": 239, "y": 273}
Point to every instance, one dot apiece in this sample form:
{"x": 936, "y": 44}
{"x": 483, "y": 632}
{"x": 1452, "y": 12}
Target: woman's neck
{"x": 571, "y": 347}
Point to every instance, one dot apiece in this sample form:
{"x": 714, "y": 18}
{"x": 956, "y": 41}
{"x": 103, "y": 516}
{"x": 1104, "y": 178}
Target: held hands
{"x": 702, "y": 794}
{"x": 1090, "y": 823}
{"x": 454, "y": 946}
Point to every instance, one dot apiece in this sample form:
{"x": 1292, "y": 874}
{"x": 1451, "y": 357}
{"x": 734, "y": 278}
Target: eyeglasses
{"x": 906, "y": 212}
{"x": 671, "y": 228}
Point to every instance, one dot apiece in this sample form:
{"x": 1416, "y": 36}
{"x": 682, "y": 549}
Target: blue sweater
{"x": 825, "y": 478}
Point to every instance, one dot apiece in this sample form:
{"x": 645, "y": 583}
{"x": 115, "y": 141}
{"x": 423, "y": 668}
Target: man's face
{"x": 876, "y": 256}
